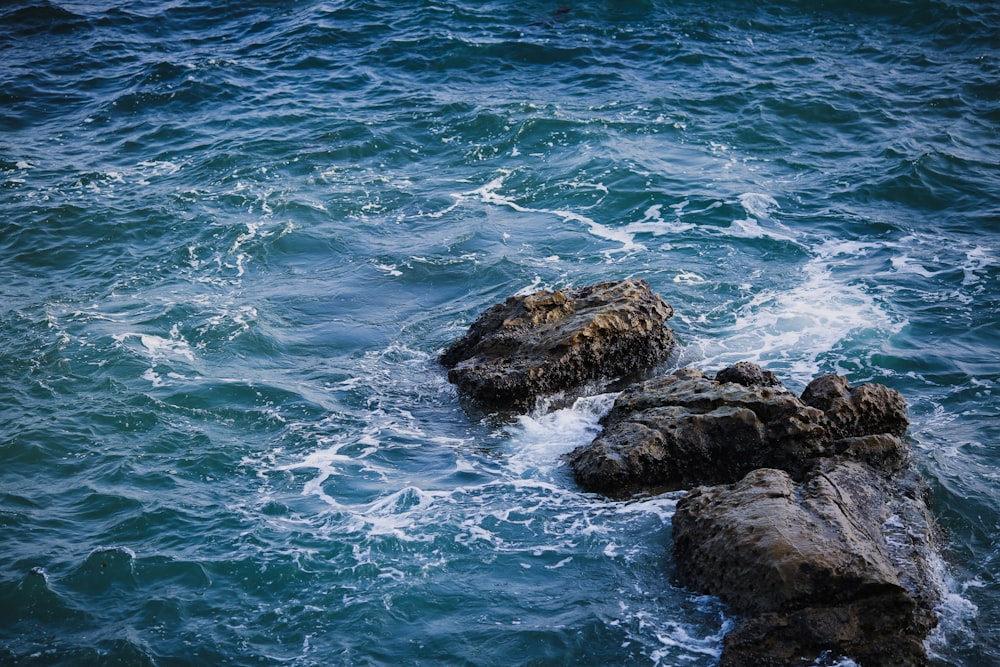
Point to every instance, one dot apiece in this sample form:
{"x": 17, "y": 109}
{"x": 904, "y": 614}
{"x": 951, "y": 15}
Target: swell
{"x": 235, "y": 236}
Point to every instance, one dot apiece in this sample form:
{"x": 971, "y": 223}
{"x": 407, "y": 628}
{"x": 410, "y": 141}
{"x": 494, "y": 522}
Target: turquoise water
{"x": 235, "y": 236}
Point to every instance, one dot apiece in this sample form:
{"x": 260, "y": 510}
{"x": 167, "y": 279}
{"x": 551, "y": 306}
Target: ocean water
{"x": 234, "y": 237}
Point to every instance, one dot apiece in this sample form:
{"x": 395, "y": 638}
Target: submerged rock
{"x": 842, "y": 562}
{"x": 546, "y": 342}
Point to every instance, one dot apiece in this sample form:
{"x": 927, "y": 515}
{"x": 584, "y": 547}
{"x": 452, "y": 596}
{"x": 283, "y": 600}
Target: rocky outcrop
{"x": 814, "y": 529}
{"x": 682, "y": 430}
{"x": 547, "y": 342}
{"x": 748, "y": 375}
{"x": 842, "y": 562}
{"x": 804, "y": 514}
{"x": 862, "y": 410}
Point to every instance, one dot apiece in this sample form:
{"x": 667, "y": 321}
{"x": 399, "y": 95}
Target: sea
{"x": 235, "y": 236}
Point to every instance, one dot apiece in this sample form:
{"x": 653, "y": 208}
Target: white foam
{"x": 758, "y": 206}
{"x": 240, "y": 316}
{"x": 252, "y": 229}
{"x": 679, "y": 208}
{"x": 399, "y": 511}
{"x": 842, "y": 661}
{"x": 153, "y": 377}
{"x": 447, "y": 209}
{"x": 904, "y": 264}
{"x": 490, "y": 194}
{"x": 329, "y": 462}
{"x": 600, "y": 187}
{"x": 534, "y": 286}
{"x": 160, "y": 167}
{"x": 795, "y": 326}
{"x": 688, "y": 278}
{"x": 956, "y": 613}
{"x": 978, "y": 261}
{"x": 389, "y": 269}
{"x": 562, "y": 563}
{"x": 539, "y": 440}
{"x": 673, "y": 635}
{"x": 653, "y": 223}
{"x": 159, "y": 348}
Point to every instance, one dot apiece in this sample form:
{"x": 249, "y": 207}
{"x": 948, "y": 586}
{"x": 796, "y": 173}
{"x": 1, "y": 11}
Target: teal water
{"x": 235, "y": 236}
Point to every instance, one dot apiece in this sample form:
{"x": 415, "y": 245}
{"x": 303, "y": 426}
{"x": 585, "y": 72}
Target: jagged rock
{"x": 683, "y": 429}
{"x": 817, "y": 532}
{"x": 882, "y": 451}
{"x": 841, "y": 562}
{"x": 862, "y": 410}
{"x": 546, "y": 342}
{"x": 748, "y": 375}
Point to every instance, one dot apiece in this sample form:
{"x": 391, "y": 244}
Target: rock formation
{"x": 804, "y": 515}
{"x": 816, "y": 532}
{"x": 546, "y": 342}
{"x": 828, "y": 564}
{"x": 684, "y": 429}
{"x": 862, "y": 410}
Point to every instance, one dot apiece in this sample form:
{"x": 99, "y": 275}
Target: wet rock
{"x": 547, "y": 342}
{"x": 862, "y": 410}
{"x": 816, "y": 530}
{"x": 684, "y": 429}
{"x": 882, "y": 451}
{"x": 842, "y": 562}
{"x": 805, "y": 636}
{"x": 748, "y": 375}
{"x": 805, "y": 516}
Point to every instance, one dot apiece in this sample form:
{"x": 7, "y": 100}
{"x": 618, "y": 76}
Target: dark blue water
{"x": 235, "y": 236}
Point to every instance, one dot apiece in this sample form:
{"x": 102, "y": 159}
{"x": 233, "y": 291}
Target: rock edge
{"x": 551, "y": 341}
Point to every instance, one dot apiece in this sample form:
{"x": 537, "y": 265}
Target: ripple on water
{"x": 236, "y": 237}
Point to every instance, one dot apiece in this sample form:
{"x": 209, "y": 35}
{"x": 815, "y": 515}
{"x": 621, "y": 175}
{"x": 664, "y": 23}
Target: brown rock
{"x": 543, "y": 343}
{"x": 683, "y": 429}
{"x": 749, "y": 375}
{"x": 862, "y": 410}
{"x": 841, "y": 562}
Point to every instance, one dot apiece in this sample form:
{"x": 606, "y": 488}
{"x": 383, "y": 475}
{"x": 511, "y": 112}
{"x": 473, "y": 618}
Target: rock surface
{"x": 684, "y": 429}
{"x": 842, "y": 561}
{"x": 546, "y": 342}
{"x": 748, "y": 375}
{"x": 862, "y": 410}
